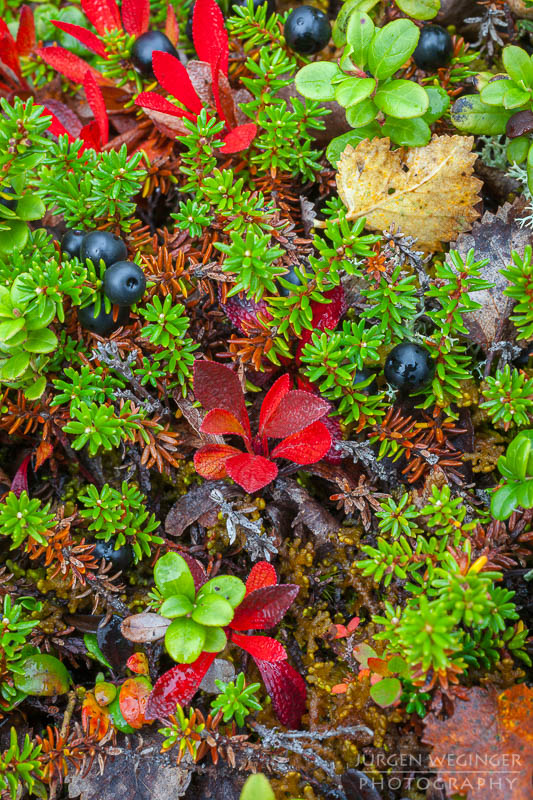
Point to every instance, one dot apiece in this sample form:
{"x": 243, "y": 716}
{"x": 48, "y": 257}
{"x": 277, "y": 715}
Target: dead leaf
{"x": 193, "y": 505}
{"x": 311, "y": 513}
{"x": 144, "y": 627}
{"x": 485, "y": 749}
{"x": 428, "y": 192}
{"x": 493, "y": 237}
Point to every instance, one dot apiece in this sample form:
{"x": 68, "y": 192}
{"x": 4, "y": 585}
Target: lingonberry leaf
{"x": 68, "y": 64}
{"x": 26, "y": 32}
{"x": 250, "y": 471}
{"x": 262, "y": 647}
{"x": 273, "y": 398}
{"x": 135, "y": 16}
{"x": 219, "y": 421}
{"x": 96, "y": 101}
{"x": 287, "y": 689}
{"x": 295, "y": 411}
{"x": 264, "y": 608}
{"x": 210, "y": 460}
{"x": 133, "y": 698}
{"x": 209, "y": 34}
{"x": 172, "y": 31}
{"x": 155, "y": 102}
{"x": 19, "y": 483}
{"x": 217, "y": 386}
{"x": 325, "y": 315}
{"x": 174, "y": 79}
{"x": 84, "y": 36}
{"x": 262, "y": 574}
{"x": 178, "y": 685}
{"x": 305, "y": 447}
{"x": 103, "y": 14}
{"x": 239, "y": 138}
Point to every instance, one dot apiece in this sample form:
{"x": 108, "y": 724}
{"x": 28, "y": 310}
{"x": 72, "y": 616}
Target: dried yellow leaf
{"x": 428, "y": 192}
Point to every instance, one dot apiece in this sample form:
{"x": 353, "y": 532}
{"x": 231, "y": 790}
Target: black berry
{"x": 434, "y": 48}
{"x": 307, "y": 30}
{"x": 290, "y": 277}
{"x": 124, "y": 283}
{"x": 120, "y": 559}
{"x": 363, "y": 375}
{"x": 144, "y": 48}
{"x": 103, "y": 245}
{"x": 409, "y": 366}
{"x": 270, "y": 4}
{"x": 71, "y": 243}
{"x": 103, "y": 324}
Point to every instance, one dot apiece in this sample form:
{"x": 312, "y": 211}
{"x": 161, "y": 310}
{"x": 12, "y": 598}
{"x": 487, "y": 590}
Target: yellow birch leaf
{"x": 428, "y": 192}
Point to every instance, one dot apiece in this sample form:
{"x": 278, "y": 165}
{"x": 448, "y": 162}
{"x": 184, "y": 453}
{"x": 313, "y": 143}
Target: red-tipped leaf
{"x": 103, "y": 14}
{"x": 19, "y": 483}
{"x": 239, "y": 138}
{"x": 209, "y": 34}
{"x": 273, "y": 398}
{"x": 172, "y": 30}
{"x": 262, "y": 647}
{"x": 216, "y": 386}
{"x": 211, "y": 459}
{"x": 174, "y": 79}
{"x": 96, "y": 101}
{"x": 262, "y": 574}
{"x": 305, "y": 447}
{"x": 26, "y": 32}
{"x": 264, "y": 608}
{"x": 155, "y": 102}
{"x": 294, "y": 412}
{"x": 251, "y": 472}
{"x": 221, "y": 422}
{"x": 136, "y": 16}
{"x": 68, "y": 64}
{"x": 287, "y": 689}
{"x": 178, "y": 685}
{"x": 84, "y": 36}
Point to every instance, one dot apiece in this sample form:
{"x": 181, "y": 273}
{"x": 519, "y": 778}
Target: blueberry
{"x": 145, "y": 46}
{"x": 409, "y": 366}
{"x": 124, "y": 283}
{"x": 270, "y": 4}
{"x": 103, "y": 245}
{"x": 120, "y": 559}
{"x": 71, "y": 243}
{"x": 290, "y": 277}
{"x": 363, "y": 375}
{"x": 434, "y": 48}
{"x": 307, "y": 30}
{"x": 103, "y": 324}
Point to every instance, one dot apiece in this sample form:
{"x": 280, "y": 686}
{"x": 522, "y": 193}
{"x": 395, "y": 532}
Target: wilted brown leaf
{"x": 144, "y": 627}
{"x": 485, "y": 749}
{"x": 428, "y": 192}
{"x": 193, "y": 505}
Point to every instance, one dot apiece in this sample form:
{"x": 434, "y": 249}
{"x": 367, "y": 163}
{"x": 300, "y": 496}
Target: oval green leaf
{"x": 213, "y": 610}
{"x": 362, "y": 114}
{"x": 176, "y": 606}
{"x": 359, "y": 34}
{"x": 386, "y": 691}
{"x": 173, "y": 576}
{"x": 391, "y": 47}
{"x": 184, "y": 640}
{"x": 419, "y": 9}
{"x": 518, "y": 65}
{"x": 353, "y": 90}
{"x": 229, "y": 587}
{"x": 402, "y": 99}
{"x": 439, "y": 102}
{"x": 471, "y": 114}
{"x": 215, "y": 640}
{"x": 42, "y": 675}
{"x": 314, "y": 80}
{"x": 407, "y": 132}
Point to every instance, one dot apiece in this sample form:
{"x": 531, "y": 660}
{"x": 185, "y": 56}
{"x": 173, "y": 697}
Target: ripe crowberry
{"x": 144, "y": 48}
{"x": 124, "y": 283}
{"x": 409, "y": 366}
{"x": 434, "y": 48}
{"x": 307, "y": 30}
{"x": 103, "y": 245}
{"x": 103, "y": 323}
{"x": 71, "y": 243}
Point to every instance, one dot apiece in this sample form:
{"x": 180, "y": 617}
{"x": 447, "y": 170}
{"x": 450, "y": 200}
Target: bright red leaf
{"x": 295, "y": 411}
{"x": 103, "y": 14}
{"x": 250, "y": 471}
{"x": 262, "y": 647}
{"x": 68, "y": 64}
{"x": 178, "y": 685}
{"x": 220, "y": 422}
{"x": 209, "y": 34}
{"x": 239, "y": 138}
{"x": 26, "y": 32}
{"x": 273, "y": 398}
{"x": 325, "y": 315}
{"x": 174, "y": 79}
{"x": 96, "y": 101}
{"x": 56, "y": 127}
{"x": 155, "y": 102}
{"x": 135, "y": 16}
{"x": 216, "y": 386}
{"x": 9, "y": 58}
{"x": 287, "y": 689}
{"x": 19, "y": 483}
{"x": 264, "y": 608}
{"x": 262, "y": 574}
{"x": 83, "y": 35}
{"x": 210, "y": 460}
{"x": 305, "y": 447}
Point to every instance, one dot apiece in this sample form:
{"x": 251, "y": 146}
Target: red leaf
{"x": 82, "y": 35}
{"x": 273, "y": 398}
{"x": 325, "y": 315}
{"x": 210, "y": 460}
{"x": 65, "y": 115}
{"x": 19, "y": 483}
{"x": 293, "y": 413}
{"x": 219, "y": 421}
{"x": 287, "y": 689}
{"x": 136, "y": 16}
{"x": 26, "y": 32}
{"x": 216, "y": 386}
{"x": 305, "y": 447}
{"x": 56, "y": 127}
{"x": 96, "y": 101}
{"x": 175, "y": 80}
{"x": 263, "y": 647}
{"x": 172, "y": 30}
{"x": 155, "y": 102}
{"x": 90, "y": 135}
{"x": 262, "y": 574}
{"x": 197, "y": 571}
{"x": 68, "y": 64}
{"x": 178, "y": 685}
{"x": 264, "y": 608}
{"x": 132, "y": 700}
{"x": 9, "y": 57}
{"x": 251, "y": 472}
{"x": 239, "y": 138}
{"x": 103, "y": 14}
{"x": 209, "y": 34}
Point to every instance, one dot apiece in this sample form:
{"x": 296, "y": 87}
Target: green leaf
{"x": 117, "y": 718}
{"x": 439, "y": 102}
{"x": 257, "y": 787}
{"x": 343, "y": 18}
{"x": 176, "y": 606}
{"x": 402, "y": 99}
{"x": 391, "y": 47}
{"x": 518, "y": 148}
{"x": 352, "y": 90}
{"x": 398, "y": 666}
{"x": 516, "y": 98}
{"x": 407, "y": 132}
{"x": 419, "y": 9}
{"x": 359, "y": 34}
{"x": 362, "y": 652}
{"x": 10, "y": 328}
{"x": 518, "y": 65}
{"x": 90, "y": 641}
{"x": 173, "y": 576}
{"x": 362, "y": 114}
{"x": 338, "y": 145}
{"x": 30, "y": 207}
{"x": 185, "y": 640}
{"x": 503, "y": 502}
{"x": 493, "y": 94}
{"x": 529, "y": 168}
{"x": 229, "y": 587}
{"x": 215, "y": 640}
{"x": 43, "y": 341}
{"x": 471, "y": 114}
{"x": 212, "y": 610}
{"x": 35, "y": 320}
{"x": 386, "y": 691}
{"x": 35, "y": 391}
{"x": 14, "y": 237}
{"x": 314, "y": 80}
{"x": 15, "y": 366}
{"x": 42, "y": 675}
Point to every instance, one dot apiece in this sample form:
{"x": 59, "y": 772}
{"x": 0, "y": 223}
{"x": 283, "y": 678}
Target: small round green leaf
{"x": 215, "y": 640}
{"x": 257, "y": 787}
{"x": 391, "y": 47}
{"x": 362, "y": 114}
{"x": 43, "y": 341}
{"x": 42, "y": 675}
{"x": 15, "y": 366}
{"x": 173, "y": 576}
{"x": 352, "y": 90}
{"x": 402, "y": 99}
{"x": 407, "y": 132}
{"x": 386, "y": 691}
{"x": 14, "y": 237}
{"x": 314, "y": 80}
{"x": 185, "y": 640}
{"x": 176, "y": 606}
{"x": 439, "y": 102}
{"x": 503, "y": 502}
{"x": 517, "y": 149}
{"x": 213, "y": 610}
{"x": 419, "y": 9}
{"x": 229, "y": 587}
{"x": 471, "y": 114}
{"x": 30, "y": 207}
{"x": 518, "y": 66}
